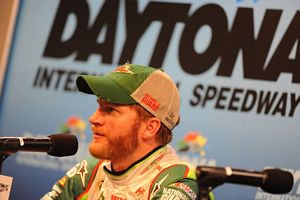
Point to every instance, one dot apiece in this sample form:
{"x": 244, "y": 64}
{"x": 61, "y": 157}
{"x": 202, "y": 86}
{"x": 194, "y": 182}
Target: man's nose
{"x": 96, "y": 118}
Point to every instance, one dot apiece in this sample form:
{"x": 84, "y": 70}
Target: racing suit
{"x": 158, "y": 175}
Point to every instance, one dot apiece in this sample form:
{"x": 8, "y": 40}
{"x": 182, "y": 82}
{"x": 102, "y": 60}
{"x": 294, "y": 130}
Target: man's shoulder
{"x": 178, "y": 179}
{"x": 84, "y": 171}
{"x": 76, "y": 181}
{"x": 87, "y": 165}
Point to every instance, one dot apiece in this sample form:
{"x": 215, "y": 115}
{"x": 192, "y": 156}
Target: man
{"x": 138, "y": 107}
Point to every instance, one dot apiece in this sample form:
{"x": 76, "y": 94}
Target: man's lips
{"x": 97, "y": 135}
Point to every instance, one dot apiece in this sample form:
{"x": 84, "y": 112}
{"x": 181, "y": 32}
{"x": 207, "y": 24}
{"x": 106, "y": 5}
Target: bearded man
{"x": 138, "y": 107}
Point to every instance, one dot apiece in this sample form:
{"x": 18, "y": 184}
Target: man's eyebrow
{"x": 106, "y": 103}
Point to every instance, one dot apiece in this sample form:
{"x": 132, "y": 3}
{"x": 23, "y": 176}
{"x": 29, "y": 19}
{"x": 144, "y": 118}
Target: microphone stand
{"x": 208, "y": 182}
{"x": 6, "y": 181}
{"x": 3, "y": 156}
{"x": 6, "y": 149}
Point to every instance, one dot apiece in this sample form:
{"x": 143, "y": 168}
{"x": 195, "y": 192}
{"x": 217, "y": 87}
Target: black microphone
{"x": 275, "y": 181}
{"x": 60, "y": 145}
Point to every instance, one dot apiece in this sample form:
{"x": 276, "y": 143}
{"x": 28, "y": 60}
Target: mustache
{"x": 96, "y": 129}
{"x": 100, "y": 130}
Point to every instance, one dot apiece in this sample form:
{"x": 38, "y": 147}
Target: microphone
{"x": 275, "y": 181}
{"x": 55, "y": 145}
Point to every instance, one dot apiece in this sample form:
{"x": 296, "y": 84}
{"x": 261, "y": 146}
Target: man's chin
{"x": 98, "y": 151}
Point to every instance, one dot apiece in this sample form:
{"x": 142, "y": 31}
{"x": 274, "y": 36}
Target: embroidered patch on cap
{"x": 124, "y": 69}
{"x": 152, "y": 103}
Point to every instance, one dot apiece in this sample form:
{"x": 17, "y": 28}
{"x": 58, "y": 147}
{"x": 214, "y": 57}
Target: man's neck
{"x": 126, "y": 162}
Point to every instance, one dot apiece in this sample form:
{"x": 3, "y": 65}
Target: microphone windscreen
{"x": 278, "y": 181}
{"x": 63, "y": 144}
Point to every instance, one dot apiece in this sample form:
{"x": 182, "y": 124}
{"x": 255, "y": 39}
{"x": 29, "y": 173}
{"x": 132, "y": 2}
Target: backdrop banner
{"x": 236, "y": 64}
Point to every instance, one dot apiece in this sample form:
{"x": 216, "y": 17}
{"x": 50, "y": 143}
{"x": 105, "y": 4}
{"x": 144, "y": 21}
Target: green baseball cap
{"x": 152, "y": 88}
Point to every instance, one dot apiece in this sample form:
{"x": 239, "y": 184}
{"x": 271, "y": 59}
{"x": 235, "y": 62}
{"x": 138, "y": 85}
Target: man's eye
{"x": 108, "y": 109}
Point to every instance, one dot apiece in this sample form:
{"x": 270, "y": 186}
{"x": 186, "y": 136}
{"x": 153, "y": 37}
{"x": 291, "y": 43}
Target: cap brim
{"x": 103, "y": 87}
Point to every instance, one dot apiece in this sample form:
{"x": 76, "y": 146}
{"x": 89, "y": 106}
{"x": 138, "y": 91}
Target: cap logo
{"x": 172, "y": 115}
{"x": 152, "y": 103}
{"x": 124, "y": 69}
{"x": 170, "y": 121}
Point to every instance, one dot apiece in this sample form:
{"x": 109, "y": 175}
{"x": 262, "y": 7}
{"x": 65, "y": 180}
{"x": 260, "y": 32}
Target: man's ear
{"x": 152, "y": 126}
